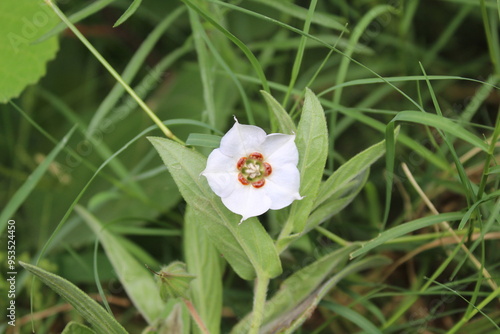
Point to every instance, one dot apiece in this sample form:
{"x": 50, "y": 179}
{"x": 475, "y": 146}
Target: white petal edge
{"x": 280, "y": 149}
{"x": 241, "y": 140}
{"x": 247, "y": 201}
{"x": 282, "y": 186}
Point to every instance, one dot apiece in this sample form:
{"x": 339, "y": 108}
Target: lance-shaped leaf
{"x": 247, "y": 247}
{"x": 298, "y": 287}
{"x": 312, "y": 143}
{"x": 100, "y": 320}
{"x": 289, "y": 324}
{"x": 135, "y": 278}
{"x": 285, "y": 122}
{"x": 204, "y": 261}
{"x": 76, "y": 328}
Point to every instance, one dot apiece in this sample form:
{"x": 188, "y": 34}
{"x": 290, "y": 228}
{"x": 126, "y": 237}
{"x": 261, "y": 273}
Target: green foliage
{"x": 312, "y": 142}
{"x": 76, "y": 328}
{"x": 247, "y": 247}
{"x": 24, "y": 63}
{"x": 136, "y": 279}
{"x": 92, "y": 201}
{"x": 101, "y": 321}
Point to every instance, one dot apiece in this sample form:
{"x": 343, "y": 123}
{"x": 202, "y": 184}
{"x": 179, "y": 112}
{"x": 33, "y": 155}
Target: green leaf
{"x": 348, "y": 172}
{"x": 89, "y": 309}
{"x": 204, "y": 261}
{"x": 247, "y": 247}
{"x": 77, "y": 328}
{"x": 23, "y": 192}
{"x": 23, "y": 63}
{"x": 405, "y": 228}
{"x": 203, "y": 140}
{"x": 298, "y": 287}
{"x": 128, "y": 13}
{"x": 352, "y": 316}
{"x": 343, "y": 196}
{"x": 441, "y": 123}
{"x": 285, "y": 123}
{"x": 304, "y": 311}
{"x": 312, "y": 143}
{"x": 135, "y": 278}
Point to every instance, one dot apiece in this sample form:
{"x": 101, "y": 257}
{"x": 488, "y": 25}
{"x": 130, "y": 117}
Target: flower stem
{"x": 112, "y": 71}
{"x": 259, "y": 301}
{"x": 196, "y": 316}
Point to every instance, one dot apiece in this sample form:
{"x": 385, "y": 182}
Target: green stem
{"x": 115, "y": 74}
{"x": 259, "y": 301}
{"x": 491, "y": 152}
{"x": 474, "y": 311}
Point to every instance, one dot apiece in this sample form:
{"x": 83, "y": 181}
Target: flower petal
{"x": 241, "y": 140}
{"x": 280, "y": 149}
{"x": 221, "y": 173}
{"x": 247, "y": 201}
{"x": 282, "y": 186}
{"x": 219, "y": 162}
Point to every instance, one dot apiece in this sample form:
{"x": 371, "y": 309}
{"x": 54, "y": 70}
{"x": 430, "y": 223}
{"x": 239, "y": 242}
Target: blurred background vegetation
{"x": 190, "y": 73}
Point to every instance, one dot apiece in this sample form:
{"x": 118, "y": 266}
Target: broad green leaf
{"x": 23, "y": 63}
{"x": 298, "y": 287}
{"x": 312, "y": 143}
{"x": 304, "y": 311}
{"x": 405, "y": 228}
{"x": 77, "y": 328}
{"x": 247, "y": 247}
{"x": 128, "y": 13}
{"x": 23, "y": 192}
{"x": 203, "y": 140}
{"x": 135, "y": 278}
{"x": 342, "y": 198}
{"x": 348, "y": 172}
{"x": 285, "y": 122}
{"x": 205, "y": 263}
{"x": 100, "y": 320}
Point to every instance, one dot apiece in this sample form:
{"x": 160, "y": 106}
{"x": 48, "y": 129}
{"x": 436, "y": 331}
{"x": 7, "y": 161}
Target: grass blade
{"x": 88, "y": 308}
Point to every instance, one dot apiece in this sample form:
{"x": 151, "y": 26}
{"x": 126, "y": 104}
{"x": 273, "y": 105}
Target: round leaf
{"x": 23, "y": 62}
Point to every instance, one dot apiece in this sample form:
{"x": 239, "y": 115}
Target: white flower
{"x": 253, "y": 172}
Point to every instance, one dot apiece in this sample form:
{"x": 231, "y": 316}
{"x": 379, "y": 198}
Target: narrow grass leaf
{"x": 77, "y": 328}
{"x": 473, "y": 207}
{"x": 204, "y": 261}
{"x": 203, "y": 140}
{"x": 405, "y": 228}
{"x": 128, "y": 13}
{"x": 247, "y": 247}
{"x": 312, "y": 143}
{"x": 298, "y": 287}
{"x": 251, "y": 57}
{"x": 352, "y": 316}
{"x": 309, "y": 305}
{"x": 320, "y": 18}
{"x": 23, "y": 192}
{"x": 89, "y": 309}
{"x": 441, "y": 123}
{"x": 285, "y": 122}
{"x": 88, "y": 10}
{"x": 135, "y": 278}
